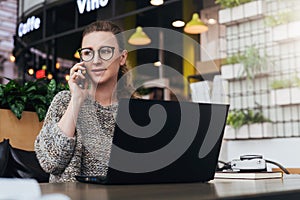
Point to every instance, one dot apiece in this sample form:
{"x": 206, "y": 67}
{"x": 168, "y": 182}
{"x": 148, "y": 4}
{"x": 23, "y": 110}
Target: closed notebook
{"x": 247, "y": 175}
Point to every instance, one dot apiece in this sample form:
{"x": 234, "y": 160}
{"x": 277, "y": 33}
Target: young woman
{"x": 76, "y": 137}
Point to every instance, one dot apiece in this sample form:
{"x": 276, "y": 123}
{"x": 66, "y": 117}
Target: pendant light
{"x": 139, "y": 37}
{"x": 157, "y": 2}
{"x": 195, "y": 26}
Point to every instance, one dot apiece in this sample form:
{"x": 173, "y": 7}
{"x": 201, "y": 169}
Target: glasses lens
{"x": 86, "y": 54}
{"x": 106, "y": 53}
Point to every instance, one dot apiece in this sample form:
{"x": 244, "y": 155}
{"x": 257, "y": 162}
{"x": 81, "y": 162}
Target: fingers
{"x": 77, "y": 76}
{"x": 75, "y": 68}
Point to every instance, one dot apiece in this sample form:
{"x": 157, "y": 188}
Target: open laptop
{"x": 164, "y": 142}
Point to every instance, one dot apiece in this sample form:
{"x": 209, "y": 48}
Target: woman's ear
{"x": 123, "y": 57}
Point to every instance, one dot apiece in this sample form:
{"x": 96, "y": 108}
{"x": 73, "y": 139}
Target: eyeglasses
{"x": 105, "y": 53}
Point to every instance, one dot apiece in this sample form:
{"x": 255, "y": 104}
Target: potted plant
{"x": 285, "y": 91}
{"x": 31, "y": 96}
{"x": 247, "y": 64}
{"x": 231, "y": 3}
{"x": 23, "y": 108}
{"x": 243, "y": 124}
{"x": 231, "y": 67}
{"x": 283, "y": 25}
{"x": 239, "y": 10}
{"x": 282, "y": 17}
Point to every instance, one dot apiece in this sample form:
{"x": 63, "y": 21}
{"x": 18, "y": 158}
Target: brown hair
{"x": 125, "y": 89}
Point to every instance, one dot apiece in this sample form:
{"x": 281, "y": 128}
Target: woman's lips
{"x": 98, "y": 71}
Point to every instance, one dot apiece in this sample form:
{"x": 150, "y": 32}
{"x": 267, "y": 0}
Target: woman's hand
{"x": 78, "y": 82}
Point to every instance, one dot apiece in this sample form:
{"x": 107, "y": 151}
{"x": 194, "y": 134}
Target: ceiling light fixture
{"x": 211, "y": 21}
{"x": 178, "y": 23}
{"x": 157, "y": 2}
{"x": 76, "y": 55}
{"x": 139, "y": 37}
{"x": 157, "y": 64}
{"x": 195, "y": 26}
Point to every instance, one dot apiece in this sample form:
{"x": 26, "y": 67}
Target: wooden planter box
{"x": 21, "y": 133}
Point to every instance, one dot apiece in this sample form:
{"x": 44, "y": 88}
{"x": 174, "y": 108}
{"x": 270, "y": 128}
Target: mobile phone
{"x": 81, "y": 82}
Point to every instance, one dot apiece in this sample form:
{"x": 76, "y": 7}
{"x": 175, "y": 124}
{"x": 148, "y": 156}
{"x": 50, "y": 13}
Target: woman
{"x": 76, "y": 137}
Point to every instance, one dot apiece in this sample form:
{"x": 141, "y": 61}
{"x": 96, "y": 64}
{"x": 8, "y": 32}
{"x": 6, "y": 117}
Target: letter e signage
{"x": 32, "y": 23}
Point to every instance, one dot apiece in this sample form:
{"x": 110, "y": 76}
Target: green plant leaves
{"x": 238, "y": 118}
{"x": 32, "y": 96}
{"x": 231, "y": 3}
{"x": 17, "y": 107}
{"x": 253, "y": 62}
{"x": 285, "y": 83}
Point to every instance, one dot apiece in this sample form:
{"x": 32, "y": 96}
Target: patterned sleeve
{"x": 53, "y": 148}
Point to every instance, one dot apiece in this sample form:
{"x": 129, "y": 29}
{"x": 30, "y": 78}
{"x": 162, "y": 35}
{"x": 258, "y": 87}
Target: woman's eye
{"x": 86, "y": 53}
{"x": 105, "y": 51}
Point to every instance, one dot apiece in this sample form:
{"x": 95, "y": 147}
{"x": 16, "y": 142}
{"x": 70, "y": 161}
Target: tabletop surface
{"x": 224, "y": 189}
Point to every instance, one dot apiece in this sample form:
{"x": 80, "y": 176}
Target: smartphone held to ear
{"x": 81, "y": 82}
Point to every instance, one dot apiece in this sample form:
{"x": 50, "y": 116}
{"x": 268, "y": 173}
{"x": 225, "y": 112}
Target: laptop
{"x": 158, "y": 141}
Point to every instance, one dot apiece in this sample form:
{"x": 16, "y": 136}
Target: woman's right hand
{"x": 78, "y": 82}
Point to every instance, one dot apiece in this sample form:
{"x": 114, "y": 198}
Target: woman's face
{"x": 105, "y": 57}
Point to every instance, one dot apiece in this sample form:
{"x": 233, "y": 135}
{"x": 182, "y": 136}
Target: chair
{"x": 18, "y": 163}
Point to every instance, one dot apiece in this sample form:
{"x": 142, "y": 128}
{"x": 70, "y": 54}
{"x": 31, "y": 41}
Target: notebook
{"x": 248, "y": 175}
{"x": 158, "y": 141}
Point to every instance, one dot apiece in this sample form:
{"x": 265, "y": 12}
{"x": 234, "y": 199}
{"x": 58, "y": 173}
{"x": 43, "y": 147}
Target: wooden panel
{"x": 291, "y": 170}
{"x": 206, "y": 67}
{"x": 21, "y": 133}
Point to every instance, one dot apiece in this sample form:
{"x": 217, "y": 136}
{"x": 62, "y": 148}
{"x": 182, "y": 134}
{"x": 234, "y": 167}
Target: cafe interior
{"x": 245, "y": 55}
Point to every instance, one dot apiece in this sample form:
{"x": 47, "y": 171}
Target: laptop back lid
{"x": 166, "y": 141}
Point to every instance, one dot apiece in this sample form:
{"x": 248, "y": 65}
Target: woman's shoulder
{"x": 64, "y": 93}
{"x": 62, "y": 96}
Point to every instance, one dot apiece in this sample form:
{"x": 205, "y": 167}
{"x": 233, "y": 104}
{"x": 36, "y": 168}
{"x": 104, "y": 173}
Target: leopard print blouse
{"x": 87, "y": 153}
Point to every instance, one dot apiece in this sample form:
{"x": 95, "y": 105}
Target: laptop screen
{"x": 166, "y": 141}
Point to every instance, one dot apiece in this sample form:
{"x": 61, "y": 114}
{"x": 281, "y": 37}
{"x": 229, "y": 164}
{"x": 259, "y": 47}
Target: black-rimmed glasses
{"x": 105, "y": 53}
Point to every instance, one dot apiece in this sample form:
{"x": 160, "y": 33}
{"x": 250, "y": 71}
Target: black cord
{"x": 280, "y": 166}
{"x": 226, "y": 166}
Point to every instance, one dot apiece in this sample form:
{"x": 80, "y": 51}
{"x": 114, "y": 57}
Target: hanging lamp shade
{"x": 76, "y": 55}
{"x": 139, "y": 37}
{"x": 195, "y": 26}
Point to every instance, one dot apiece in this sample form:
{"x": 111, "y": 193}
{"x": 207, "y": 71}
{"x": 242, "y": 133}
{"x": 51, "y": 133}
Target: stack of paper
{"x": 13, "y": 188}
{"x": 247, "y": 175}
{"x": 200, "y": 92}
{"x": 25, "y": 189}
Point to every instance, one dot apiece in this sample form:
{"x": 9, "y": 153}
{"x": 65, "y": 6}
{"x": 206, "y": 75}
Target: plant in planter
{"x": 234, "y": 11}
{"x": 246, "y": 64}
{"x": 231, "y": 3}
{"x": 31, "y": 96}
{"x": 234, "y": 59}
{"x": 283, "y": 25}
{"x": 285, "y": 91}
{"x": 280, "y": 84}
{"x": 253, "y": 62}
{"x": 238, "y": 118}
{"x": 231, "y": 67}
{"x": 243, "y": 121}
{"x": 282, "y": 17}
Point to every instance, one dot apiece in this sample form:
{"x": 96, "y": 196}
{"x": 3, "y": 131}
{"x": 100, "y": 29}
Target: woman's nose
{"x": 97, "y": 58}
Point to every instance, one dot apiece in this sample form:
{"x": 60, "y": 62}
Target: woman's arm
{"x": 54, "y": 149}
